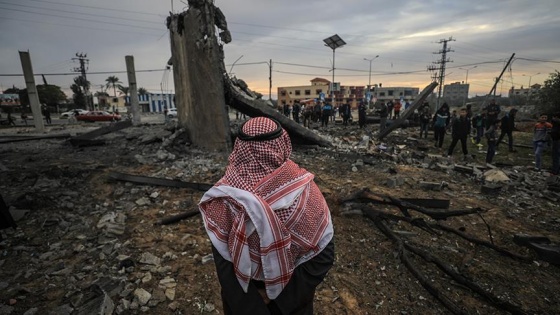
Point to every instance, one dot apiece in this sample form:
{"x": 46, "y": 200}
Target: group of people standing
{"x": 488, "y": 124}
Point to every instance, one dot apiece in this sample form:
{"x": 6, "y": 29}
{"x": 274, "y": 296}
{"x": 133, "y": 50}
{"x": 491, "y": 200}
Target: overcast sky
{"x": 404, "y": 33}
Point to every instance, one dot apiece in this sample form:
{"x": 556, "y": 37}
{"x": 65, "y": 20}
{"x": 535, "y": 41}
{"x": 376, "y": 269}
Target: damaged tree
{"x": 202, "y": 85}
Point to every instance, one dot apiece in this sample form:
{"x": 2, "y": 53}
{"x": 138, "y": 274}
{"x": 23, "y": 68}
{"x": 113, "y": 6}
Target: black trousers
{"x": 454, "y": 143}
{"x": 439, "y": 134}
{"x": 296, "y": 298}
{"x": 509, "y": 133}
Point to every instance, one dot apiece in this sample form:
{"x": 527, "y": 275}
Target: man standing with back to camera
{"x": 270, "y": 226}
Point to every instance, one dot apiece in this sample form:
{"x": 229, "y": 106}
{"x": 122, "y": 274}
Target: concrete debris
{"x": 495, "y": 176}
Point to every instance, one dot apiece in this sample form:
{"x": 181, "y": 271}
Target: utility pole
{"x": 440, "y": 65}
{"x": 32, "y": 90}
{"x": 270, "y": 80}
{"x": 134, "y": 103}
{"x": 84, "y": 63}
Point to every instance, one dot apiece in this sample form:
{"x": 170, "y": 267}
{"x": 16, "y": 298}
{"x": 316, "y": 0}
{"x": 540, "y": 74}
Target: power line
{"x": 92, "y": 7}
{"x": 81, "y": 19}
{"x": 74, "y": 12}
{"x": 78, "y": 26}
{"x": 73, "y": 73}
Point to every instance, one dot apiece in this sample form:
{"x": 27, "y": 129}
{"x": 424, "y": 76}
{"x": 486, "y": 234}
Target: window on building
{"x": 390, "y": 93}
{"x": 381, "y": 93}
{"x": 318, "y": 91}
{"x": 298, "y": 92}
{"x": 407, "y": 93}
{"x": 307, "y": 92}
{"x": 283, "y": 93}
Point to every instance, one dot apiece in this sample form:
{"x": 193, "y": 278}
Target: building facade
{"x": 526, "y": 92}
{"x": 456, "y": 94}
{"x": 350, "y": 94}
{"x": 154, "y": 102}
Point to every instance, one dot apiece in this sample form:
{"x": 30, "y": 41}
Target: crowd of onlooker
{"x": 463, "y": 124}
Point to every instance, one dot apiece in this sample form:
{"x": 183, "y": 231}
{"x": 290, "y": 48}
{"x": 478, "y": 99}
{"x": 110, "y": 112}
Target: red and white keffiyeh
{"x": 266, "y": 215}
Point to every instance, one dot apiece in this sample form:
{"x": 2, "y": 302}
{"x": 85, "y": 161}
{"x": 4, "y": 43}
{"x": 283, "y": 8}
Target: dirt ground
{"x": 57, "y": 251}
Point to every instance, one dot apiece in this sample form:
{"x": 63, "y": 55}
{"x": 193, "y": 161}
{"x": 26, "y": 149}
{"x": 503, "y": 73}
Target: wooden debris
{"x": 177, "y": 218}
{"x": 145, "y": 180}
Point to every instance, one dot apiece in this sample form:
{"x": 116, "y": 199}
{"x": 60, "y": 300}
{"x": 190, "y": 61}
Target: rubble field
{"x": 90, "y": 243}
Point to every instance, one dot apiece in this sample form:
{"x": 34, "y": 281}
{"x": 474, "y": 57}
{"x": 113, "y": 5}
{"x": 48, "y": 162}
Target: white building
{"x": 155, "y": 102}
{"x": 456, "y": 94}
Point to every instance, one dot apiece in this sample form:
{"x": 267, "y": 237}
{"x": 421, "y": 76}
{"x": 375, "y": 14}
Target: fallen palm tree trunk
{"x": 366, "y": 195}
{"x": 177, "y": 218}
{"x": 88, "y": 137}
{"x": 145, "y": 180}
{"x": 405, "y": 247}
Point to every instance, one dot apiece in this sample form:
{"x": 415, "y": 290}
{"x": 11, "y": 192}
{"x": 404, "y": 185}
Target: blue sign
{"x": 322, "y": 96}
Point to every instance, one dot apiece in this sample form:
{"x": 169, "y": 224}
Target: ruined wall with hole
{"x": 198, "y": 73}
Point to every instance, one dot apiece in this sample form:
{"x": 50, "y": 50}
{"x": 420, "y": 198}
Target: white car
{"x": 172, "y": 113}
{"x": 70, "y": 113}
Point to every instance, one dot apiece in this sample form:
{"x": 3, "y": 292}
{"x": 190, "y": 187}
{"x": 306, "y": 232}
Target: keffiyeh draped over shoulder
{"x": 266, "y": 215}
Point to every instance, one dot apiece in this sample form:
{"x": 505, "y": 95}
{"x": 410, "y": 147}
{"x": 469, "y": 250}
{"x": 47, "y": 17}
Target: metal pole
{"x": 270, "y": 80}
{"x": 332, "y": 85}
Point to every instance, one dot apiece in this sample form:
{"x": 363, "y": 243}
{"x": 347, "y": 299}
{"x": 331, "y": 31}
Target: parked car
{"x": 172, "y": 113}
{"x": 98, "y": 116}
{"x": 70, "y": 113}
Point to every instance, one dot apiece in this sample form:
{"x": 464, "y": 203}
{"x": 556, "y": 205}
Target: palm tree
{"x": 112, "y": 81}
{"x": 124, "y": 90}
{"x": 142, "y": 91}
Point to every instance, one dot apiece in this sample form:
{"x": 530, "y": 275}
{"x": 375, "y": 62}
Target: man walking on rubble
{"x": 508, "y": 124}
{"x": 492, "y": 112}
{"x": 460, "y": 132}
{"x": 383, "y": 113}
{"x": 441, "y": 121}
{"x": 540, "y": 137}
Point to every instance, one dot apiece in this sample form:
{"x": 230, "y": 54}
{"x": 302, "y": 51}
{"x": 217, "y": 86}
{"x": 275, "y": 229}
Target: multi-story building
{"x": 154, "y": 102}
{"x": 526, "y": 92}
{"x": 385, "y": 94}
{"x": 288, "y": 94}
{"x": 350, "y": 94}
{"x": 456, "y": 94}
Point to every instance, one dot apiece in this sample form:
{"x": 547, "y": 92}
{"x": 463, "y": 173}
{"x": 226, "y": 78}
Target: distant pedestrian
{"x": 492, "y": 112}
{"x": 47, "y": 115}
{"x": 362, "y": 114}
{"x": 165, "y": 112}
{"x": 507, "y": 126}
{"x": 345, "y": 113}
{"x": 478, "y": 123}
{"x": 307, "y": 115}
{"x": 11, "y": 119}
{"x": 326, "y": 114}
{"x": 540, "y": 137}
{"x": 397, "y": 109}
{"x": 492, "y": 137}
{"x": 383, "y": 114}
{"x": 555, "y": 136}
{"x": 440, "y": 122}
{"x": 390, "y": 106}
{"x": 24, "y": 118}
{"x": 461, "y": 128}
{"x": 296, "y": 111}
{"x": 425, "y": 121}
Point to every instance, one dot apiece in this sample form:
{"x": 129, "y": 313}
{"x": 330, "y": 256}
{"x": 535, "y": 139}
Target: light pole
{"x": 467, "y": 69}
{"x": 231, "y": 69}
{"x": 530, "y": 88}
{"x": 333, "y": 42}
{"x": 370, "y": 60}
{"x": 467, "y": 82}
{"x": 369, "y": 81}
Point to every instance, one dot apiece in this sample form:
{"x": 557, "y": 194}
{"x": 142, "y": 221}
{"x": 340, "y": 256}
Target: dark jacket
{"x": 508, "y": 121}
{"x": 383, "y": 111}
{"x": 555, "y": 131}
{"x": 441, "y": 118}
{"x": 461, "y": 127}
